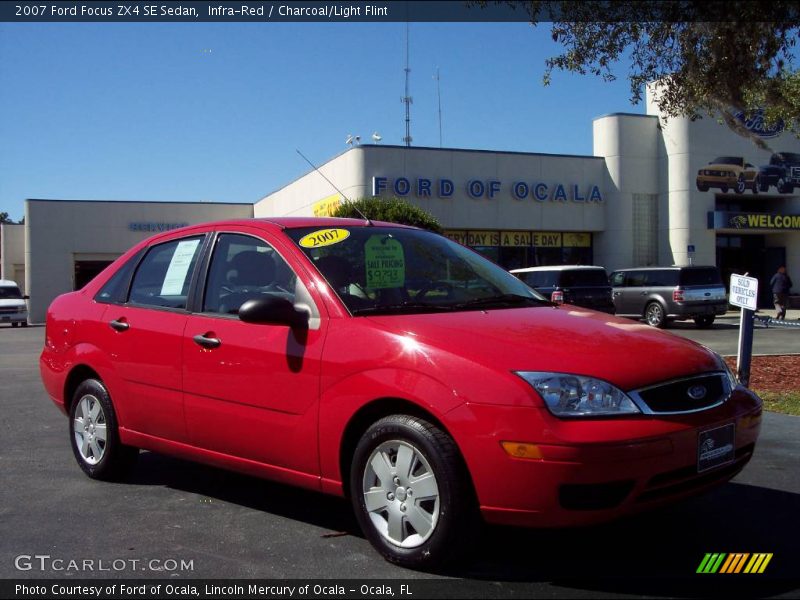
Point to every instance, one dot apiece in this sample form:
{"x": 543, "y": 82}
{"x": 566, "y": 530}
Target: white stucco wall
{"x": 12, "y": 253}
{"x": 59, "y": 232}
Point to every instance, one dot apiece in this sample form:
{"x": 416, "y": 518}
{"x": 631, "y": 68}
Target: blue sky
{"x": 214, "y": 112}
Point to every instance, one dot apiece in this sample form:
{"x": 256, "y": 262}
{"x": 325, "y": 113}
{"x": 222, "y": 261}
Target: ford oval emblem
{"x": 697, "y": 392}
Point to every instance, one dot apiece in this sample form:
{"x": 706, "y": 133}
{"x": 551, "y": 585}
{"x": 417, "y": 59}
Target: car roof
{"x": 669, "y": 268}
{"x": 298, "y": 222}
{"x": 559, "y": 268}
{"x": 8, "y": 283}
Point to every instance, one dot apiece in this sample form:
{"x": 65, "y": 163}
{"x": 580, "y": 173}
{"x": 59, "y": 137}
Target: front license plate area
{"x": 716, "y": 447}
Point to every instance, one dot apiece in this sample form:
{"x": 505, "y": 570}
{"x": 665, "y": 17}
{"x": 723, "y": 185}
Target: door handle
{"x": 206, "y": 342}
{"x": 119, "y": 325}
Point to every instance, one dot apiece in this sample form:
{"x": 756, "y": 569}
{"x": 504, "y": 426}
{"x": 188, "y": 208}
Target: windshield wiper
{"x": 411, "y": 307}
{"x": 503, "y": 299}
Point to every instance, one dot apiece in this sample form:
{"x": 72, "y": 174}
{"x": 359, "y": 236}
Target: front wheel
{"x": 94, "y": 435}
{"x": 654, "y": 315}
{"x": 411, "y": 493}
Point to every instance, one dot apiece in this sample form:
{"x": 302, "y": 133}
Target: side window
{"x": 114, "y": 290}
{"x": 618, "y": 279}
{"x": 164, "y": 275}
{"x": 637, "y": 279}
{"x": 243, "y": 268}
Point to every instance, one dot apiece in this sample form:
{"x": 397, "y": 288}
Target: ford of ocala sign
{"x": 423, "y": 187}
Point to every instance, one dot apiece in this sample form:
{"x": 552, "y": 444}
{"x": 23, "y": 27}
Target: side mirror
{"x": 26, "y": 297}
{"x": 272, "y": 310}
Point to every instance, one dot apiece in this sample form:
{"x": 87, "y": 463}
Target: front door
{"x": 252, "y": 391}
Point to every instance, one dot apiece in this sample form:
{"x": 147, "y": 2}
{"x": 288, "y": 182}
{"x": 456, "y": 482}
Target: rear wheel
{"x": 704, "y": 321}
{"x": 14, "y": 324}
{"x": 94, "y": 434}
{"x": 24, "y": 323}
{"x": 655, "y": 315}
{"x": 741, "y": 186}
{"x": 411, "y": 493}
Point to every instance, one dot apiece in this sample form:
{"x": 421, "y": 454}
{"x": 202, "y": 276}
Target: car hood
{"x": 567, "y": 339}
{"x": 723, "y": 167}
{"x": 12, "y": 303}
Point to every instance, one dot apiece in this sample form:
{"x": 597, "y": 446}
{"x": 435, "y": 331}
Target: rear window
{"x": 10, "y": 292}
{"x": 540, "y": 279}
{"x": 709, "y": 276}
{"x": 584, "y": 277}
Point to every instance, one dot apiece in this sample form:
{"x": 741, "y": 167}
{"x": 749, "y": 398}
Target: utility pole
{"x": 407, "y": 98}
{"x": 439, "y": 97}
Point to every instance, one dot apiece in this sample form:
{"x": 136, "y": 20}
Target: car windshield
{"x": 10, "y": 292}
{"x": 728, "y": 160}
{"x": 789, "y": 157}
{"x": 392, "y": 270}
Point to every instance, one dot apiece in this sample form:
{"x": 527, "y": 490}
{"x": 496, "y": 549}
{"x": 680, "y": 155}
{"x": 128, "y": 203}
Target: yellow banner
{"x": 457, "y": 235}
{"x": 515, "y": 238}
{"x": 546, "y": 239}
{"x": 577, "y": 240}
{"x": 483, "y": 238}
{"x": 326, "y": 206}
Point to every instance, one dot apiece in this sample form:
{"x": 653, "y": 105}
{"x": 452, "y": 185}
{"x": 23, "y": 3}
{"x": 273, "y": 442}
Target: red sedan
{"x": 393, "y": 366}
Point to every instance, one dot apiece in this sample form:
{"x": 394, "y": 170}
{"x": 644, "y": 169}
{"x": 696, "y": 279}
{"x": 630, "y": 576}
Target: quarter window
{"x": 245, "y": 268}
{"x": 164, "y": 275}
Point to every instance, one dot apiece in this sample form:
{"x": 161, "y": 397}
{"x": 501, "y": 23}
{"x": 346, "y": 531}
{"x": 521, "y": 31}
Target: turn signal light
{"x": 557, "y": 297}
{"x": 522, "y": 450}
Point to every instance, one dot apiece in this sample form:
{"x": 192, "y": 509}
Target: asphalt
{"x": 234, "y": 526}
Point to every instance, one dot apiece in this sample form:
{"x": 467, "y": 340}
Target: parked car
{"x": 728, "y": 172}
{"x": 362, "y": 359}
{"x": 664, "y": 294}
{"x": 585, "y": 286}
{"x": 13, "y": 308}
{"x": 783, "y": 172}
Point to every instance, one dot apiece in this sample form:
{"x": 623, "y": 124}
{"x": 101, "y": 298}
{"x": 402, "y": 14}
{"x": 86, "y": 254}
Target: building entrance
{"x": 749, "y": 254}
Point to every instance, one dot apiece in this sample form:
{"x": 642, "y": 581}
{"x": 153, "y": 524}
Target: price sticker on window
{"x": 385, "y": 262}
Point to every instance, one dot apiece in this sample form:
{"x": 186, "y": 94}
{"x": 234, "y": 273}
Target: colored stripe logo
{"x": 734, "y": 563}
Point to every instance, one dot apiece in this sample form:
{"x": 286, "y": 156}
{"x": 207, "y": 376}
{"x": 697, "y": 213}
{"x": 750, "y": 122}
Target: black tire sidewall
{"x": 455, "y": 503}
{"x": 116, "y": 457}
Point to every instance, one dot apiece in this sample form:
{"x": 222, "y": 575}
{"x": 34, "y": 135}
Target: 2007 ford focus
{"x": 395, "y": 367}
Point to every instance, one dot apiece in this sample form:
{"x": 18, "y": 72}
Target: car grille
{"x": 715, "y": 173}
{"x": 674, "y": 397}
{"x": 796, "y": 172}
{"x": 8, "y": 311}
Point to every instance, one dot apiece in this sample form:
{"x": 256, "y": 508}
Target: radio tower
{"x": 407, "y": 98}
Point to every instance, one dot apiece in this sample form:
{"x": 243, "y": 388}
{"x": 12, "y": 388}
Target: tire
{"x": 24, "y": 323}
{"x": 108, "y": 459}
{"x": 724, "y": 189}
{"x": 741, "y": 185}
{"x": 702, "y": 187}
{"x": 420, "y": 532}
{"x": 704, "y": 321}
{"x": 15, "y": 324}
{"x": 763, "y": 185}
{"x": 756, "y": 185}
{"x": 655, "y": 315}
{"x": 782, "y": 186}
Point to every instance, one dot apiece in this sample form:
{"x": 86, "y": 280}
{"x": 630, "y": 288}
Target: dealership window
{"x": 521, "y": 249}
{"x": 645, "y": 229}
{"x": 164, "y": 275}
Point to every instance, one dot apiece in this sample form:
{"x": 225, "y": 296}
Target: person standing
{"x": 780, "y": 284}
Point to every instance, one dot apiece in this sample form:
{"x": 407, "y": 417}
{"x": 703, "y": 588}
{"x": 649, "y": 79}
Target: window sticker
{"x": 386, "y": 265}
{"x": 323, "y": 237}
{"x": 178, "y": 268}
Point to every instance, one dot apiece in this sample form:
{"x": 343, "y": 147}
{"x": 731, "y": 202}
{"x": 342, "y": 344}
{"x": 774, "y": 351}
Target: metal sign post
{"x": 744, "y": 293}
{"x": 690, "y": 253}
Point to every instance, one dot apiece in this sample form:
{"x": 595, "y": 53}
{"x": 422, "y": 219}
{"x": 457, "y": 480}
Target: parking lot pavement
{"x": 229, "y": 525}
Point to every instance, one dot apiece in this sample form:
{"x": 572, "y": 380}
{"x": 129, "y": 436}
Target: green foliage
{"x": 393, "y": 210}
{"x": 4, "y": 218}
{"x": 707, "y": 58}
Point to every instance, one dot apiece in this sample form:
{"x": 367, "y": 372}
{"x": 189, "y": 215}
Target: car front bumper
{"x": 15, "y": 317}
{"x": 595, "y": 470}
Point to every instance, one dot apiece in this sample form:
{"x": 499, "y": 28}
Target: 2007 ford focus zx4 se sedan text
{"x": 392, "y": 366}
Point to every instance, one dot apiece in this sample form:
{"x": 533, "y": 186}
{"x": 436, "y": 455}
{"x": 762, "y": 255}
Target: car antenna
{"x": 353, "y": 204}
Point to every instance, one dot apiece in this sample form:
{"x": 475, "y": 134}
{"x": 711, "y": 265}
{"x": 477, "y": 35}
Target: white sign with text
{"x": 744, "y": 291}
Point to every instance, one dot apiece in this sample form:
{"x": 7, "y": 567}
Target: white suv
{"x": 13, "y": 308}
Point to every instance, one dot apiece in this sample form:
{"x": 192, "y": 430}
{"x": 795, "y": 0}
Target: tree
{"x": 394, "y": 210}
{"x": 729, "y": 70}
{"x": 4, "y": 218}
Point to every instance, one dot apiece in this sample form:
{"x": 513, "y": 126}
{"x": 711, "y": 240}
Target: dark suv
{"x": 663, "y": 294}
{"x": 584, "y": 286}
{"x": 783, "y": 171}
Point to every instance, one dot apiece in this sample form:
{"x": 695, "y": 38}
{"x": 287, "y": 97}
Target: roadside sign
{"x": 744, "y": 291}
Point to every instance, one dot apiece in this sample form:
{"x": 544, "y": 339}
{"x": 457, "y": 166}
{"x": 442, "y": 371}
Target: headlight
{"x": 576, "y": 396}
{"x": 733, "y": 381}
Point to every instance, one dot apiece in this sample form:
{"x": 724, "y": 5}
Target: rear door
{"x": 144, "y": 337}
{"x": 253, "y": 391}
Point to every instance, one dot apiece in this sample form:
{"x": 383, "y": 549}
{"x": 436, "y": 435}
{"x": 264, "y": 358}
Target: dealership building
{"x": 654, "y": 192}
